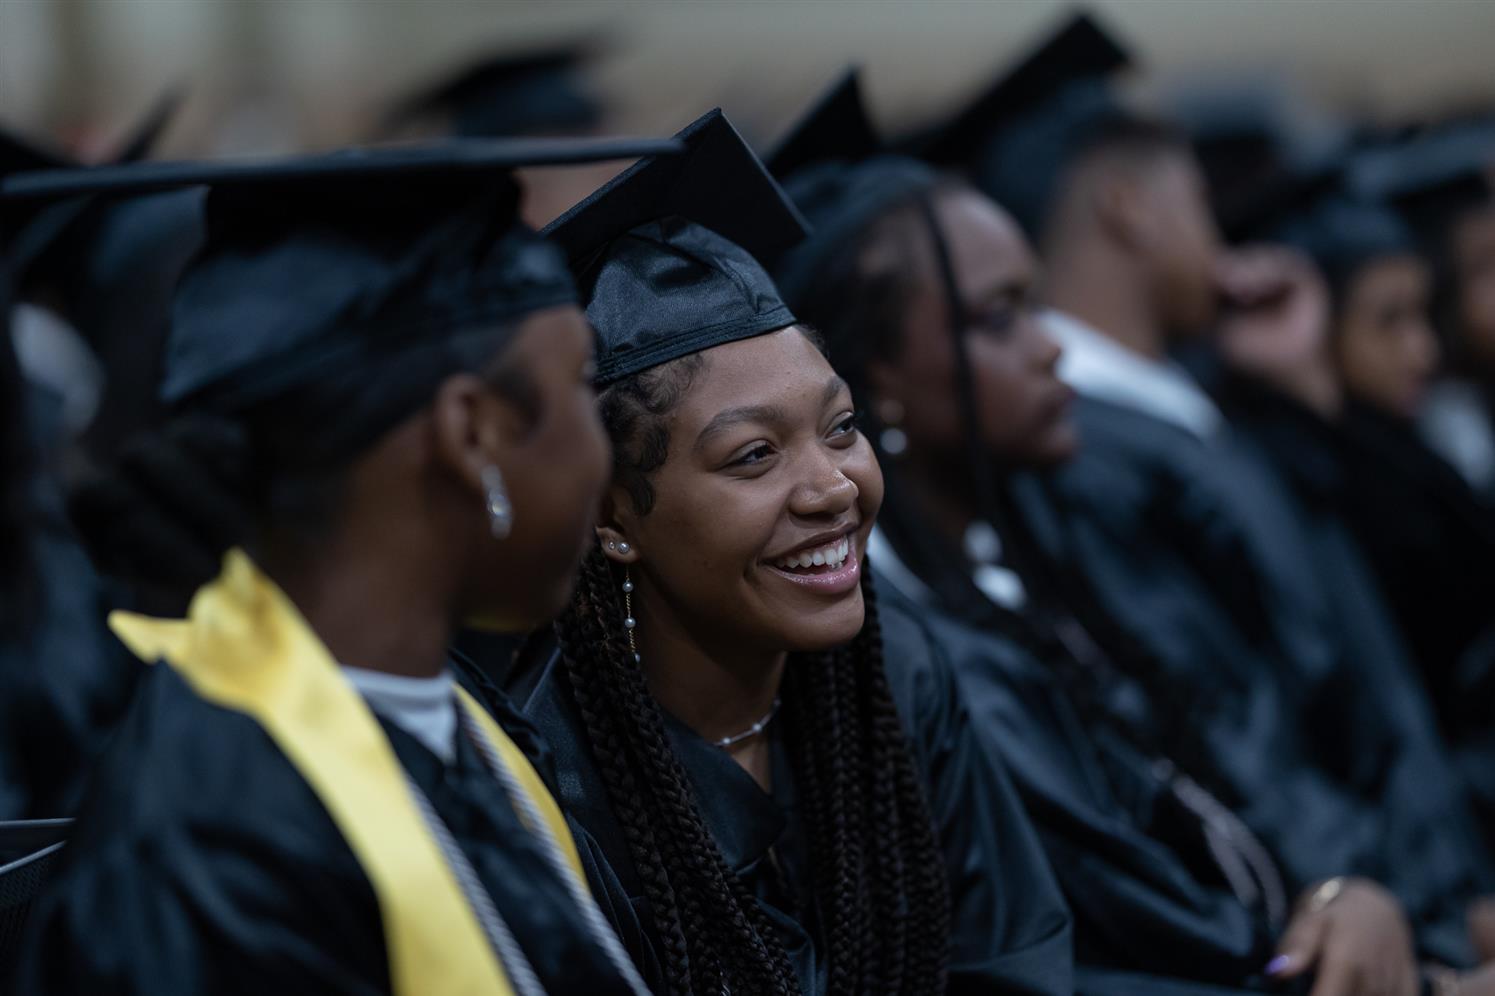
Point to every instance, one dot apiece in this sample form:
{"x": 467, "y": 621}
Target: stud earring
{"x": 629, "y": 623}
{"x": 496, "y": 502}
{"x": 611, "y": 545}
{"x": 624, "y": 547}
{"x": 892, "y": 440}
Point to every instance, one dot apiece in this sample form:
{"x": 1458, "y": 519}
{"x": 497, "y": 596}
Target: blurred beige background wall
{"x": 268, "y": 75}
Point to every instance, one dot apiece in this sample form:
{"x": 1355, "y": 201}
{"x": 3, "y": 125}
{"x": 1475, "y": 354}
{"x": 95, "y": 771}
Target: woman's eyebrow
{"x": 833, "y": 389}
{"x": 730, "y": 417}
{"x": 1010, "y": 285}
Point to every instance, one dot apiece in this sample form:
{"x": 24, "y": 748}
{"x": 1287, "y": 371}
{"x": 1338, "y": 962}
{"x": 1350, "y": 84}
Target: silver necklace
{"x": 750, "y": 732}
{"x": 630, "y": 624}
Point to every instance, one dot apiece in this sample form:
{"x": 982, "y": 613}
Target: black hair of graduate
{"x": 683, "y": 239}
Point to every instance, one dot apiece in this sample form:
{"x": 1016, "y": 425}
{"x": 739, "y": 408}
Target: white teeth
{"x": 834, "y": 555}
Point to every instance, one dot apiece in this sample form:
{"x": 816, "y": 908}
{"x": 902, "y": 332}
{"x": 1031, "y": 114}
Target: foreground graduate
{"x": 776, "y": 791}
{"x": 925, "y": 290}
{"x": 301, "y": 799}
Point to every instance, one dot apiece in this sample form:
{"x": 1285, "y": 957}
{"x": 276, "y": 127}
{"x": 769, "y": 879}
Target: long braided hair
{"x": 879, "y": 879}
{"x": 860, "y": 308}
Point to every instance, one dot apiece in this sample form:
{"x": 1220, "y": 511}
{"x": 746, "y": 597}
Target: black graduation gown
{"x": 64, "y": 680}
{"x": 204, "y": 863}
{"x": 1150, "y": 906}
{"x": 1431, "y": 542}
{"x": 1010, "y": 930}
{"x": 1307, "y": 711}
{"x": 1404, "y": 541}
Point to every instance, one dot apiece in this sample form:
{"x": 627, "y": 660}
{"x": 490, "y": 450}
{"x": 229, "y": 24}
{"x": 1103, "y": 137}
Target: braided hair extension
{"x": 858, "y": 302}
{"x": 879, "y": 877}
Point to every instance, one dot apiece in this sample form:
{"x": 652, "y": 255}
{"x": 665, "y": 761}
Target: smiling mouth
{"x": 833, "y": 568}
{"x": 819, "y": 560}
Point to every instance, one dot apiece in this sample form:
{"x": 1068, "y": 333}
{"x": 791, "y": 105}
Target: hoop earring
{"x": 629, "y": 623}
{"x": 496, "y": 502}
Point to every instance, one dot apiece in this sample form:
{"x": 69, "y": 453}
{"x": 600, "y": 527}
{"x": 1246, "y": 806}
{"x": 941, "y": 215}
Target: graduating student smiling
{"x": 773, "y": 784}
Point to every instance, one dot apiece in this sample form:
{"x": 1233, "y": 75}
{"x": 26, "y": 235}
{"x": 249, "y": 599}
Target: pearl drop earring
{"x": 629, "y": 623}
{"x": 496, "y": 502}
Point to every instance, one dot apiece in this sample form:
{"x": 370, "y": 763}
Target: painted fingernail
{"x": 1279, "y": 964}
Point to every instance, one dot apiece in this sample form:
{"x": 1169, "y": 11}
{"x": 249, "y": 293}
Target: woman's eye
{"x": 756, "y": 454}
{"x": 995, "y": 322}
{"x": 845, "y": 426}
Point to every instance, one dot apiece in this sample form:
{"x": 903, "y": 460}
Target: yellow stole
{"x": 245, "y": 646}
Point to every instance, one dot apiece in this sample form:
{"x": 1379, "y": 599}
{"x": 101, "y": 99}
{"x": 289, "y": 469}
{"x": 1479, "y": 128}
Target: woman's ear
{"x": 615, "y": 527}
{"x": 473, "y": 428}
{"x": 1123, "y": 204}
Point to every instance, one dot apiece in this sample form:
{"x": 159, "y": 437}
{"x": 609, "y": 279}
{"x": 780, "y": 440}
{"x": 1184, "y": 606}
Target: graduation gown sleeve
{"x": 1011, "y": 930}
{"x": 1145, "y": 900}
{"x": 64, "y": 680}
{"x": 202, "y": 864}
{"x": 1299, "y": 732}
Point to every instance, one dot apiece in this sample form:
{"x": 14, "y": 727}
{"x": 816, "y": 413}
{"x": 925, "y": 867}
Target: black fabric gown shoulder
{"x": 203, "y": 863}
{"x": 1011, "y": 931}
{"x": 1312, "y": 721}
{"x": 1430, "y": 539}
{"x": 64, "y": 680}
{"x": 1151, "y": 908}
{"x": 1408, "y": 550}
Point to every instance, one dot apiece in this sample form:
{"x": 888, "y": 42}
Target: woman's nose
{"x": 825, "y": 490}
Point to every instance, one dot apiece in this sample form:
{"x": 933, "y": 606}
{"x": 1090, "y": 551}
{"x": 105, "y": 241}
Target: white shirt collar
{"x": 425, "y": 708}
{"x": 1098, "y": 366}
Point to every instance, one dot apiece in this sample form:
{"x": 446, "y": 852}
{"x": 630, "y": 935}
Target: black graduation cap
{"x": 833, "y": 165}
{"x": 667, "y": 253}
{"x": 509, "y": 94}
{"x": 1078, "y": 49}
{"x": 1342, "y": 232}
{"x": 1261, "y": 207}
{"x": 836, "y": 126}
{"x": 30, "y": 232}
{"x": 1016, "y": 138}
{"x": 1434, "y": 177}
{"x": 319, "y": 274}
{"x": 1253, "y": 139}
